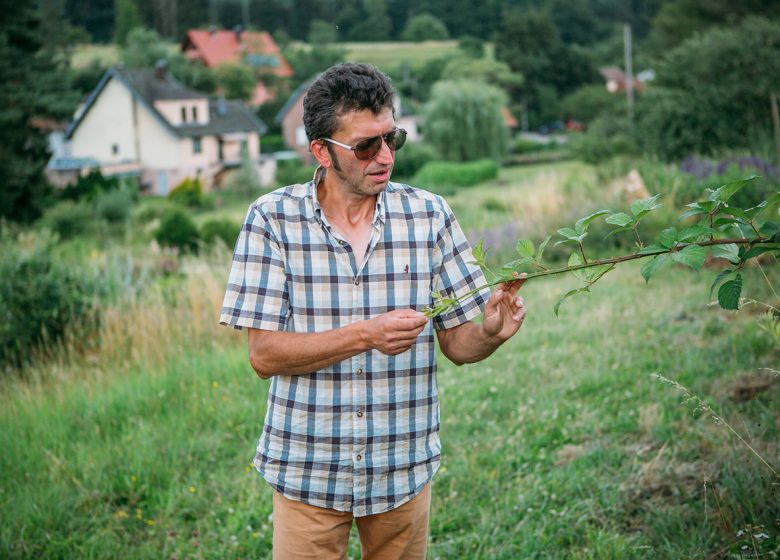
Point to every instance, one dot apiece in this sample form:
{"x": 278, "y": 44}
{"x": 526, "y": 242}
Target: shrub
{"x": 606, "y": 138}
{"x": 90, "y": 186}
{"x": 445, "y": 177}
{"x": 293, "y": 172}
{"x": 272, "y": 143}
{"x": 153, "y": 208}
{"x": 187, "y": 193}
{"x": 39, "y": 300}
{"x": 223, "y": 229}
{"x": 68, "y": 219}
{"x": 178, "y": 230}
{"x": 412, "y": 157}
{"x": 425, "y": 27}
{"x": 115, "y": 206}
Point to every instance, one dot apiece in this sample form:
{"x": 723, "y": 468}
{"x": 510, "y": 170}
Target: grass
{"x": 560, "y": 445}
{"x": 390, "y": 55}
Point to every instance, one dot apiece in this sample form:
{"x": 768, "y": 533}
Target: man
{"x": 329, "y": 278}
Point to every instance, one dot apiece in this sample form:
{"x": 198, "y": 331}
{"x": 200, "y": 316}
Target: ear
{"x": 320, "y": 153}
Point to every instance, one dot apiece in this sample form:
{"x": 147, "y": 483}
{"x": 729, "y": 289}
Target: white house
{"x": 144, "y": 123}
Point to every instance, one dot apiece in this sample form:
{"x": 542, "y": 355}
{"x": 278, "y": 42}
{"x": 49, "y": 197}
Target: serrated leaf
{"x": 692, "y": 256}
{"x": 734, "y": 211}
{"x": 730, "y": 189}
{"x": 576, "y": 260}
{"x": 728, "y": 294}
{"x": 541, "y": 249}
{"x": 668, "y": 238}
{"x": 618, "y": 230}
{"x": 619, "y": 219}
{"x": 693, "y": 212}
{"x": 728, "y": 251}
{"x": 726, "y": 221}
{"x": 568, "y": 233}
{"x": 582, "y": 224}
{"x": 525, "y": 248}
{"x": 479, "y": 254}
{"x": 760, "y": 250}
{"x": 515, "y": 266}
{"x": 719, "y": 278}
{"x": 654, "y": 265}
{"x": 645, "y": 205}
{"x": 693, "y": 232}
{"x": 568, "y": 294}
{"x": 650, "y": 249}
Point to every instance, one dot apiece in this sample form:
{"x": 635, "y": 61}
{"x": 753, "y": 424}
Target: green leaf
{"x": 568, "y": 294}
{"x": 582, "y": 224}
{"x": 515, "y": 266}
{"x": 668, "y": 238}
{"x": 692, "y": 256}
{"x": 618, "y": 230}
{"x": 734, "y": 211}
{"x": 728, "y": 294}
{"x": 650, "y": 249}
{"x": 479, "y": 254}
{"x": 525, "y": 248}
{"x": 693, "y": 232}
{"x": 760, "y": 250}
{"x": 641, "y": 207}
{"x": 719, "y": 278}
{"x": 619, "y": 219}
{"x": 576, "y": 260}
{"x": 730, "y": 189}
{"x": 726, "y": 221}
{"x": 728, "y": 251}
{"x": 763, "y": 206}
{"x": 695, "y": 210}
{"x": 569, "y": 233}
{"x": 541, "y": 249}
{"x": 654, "y": 265}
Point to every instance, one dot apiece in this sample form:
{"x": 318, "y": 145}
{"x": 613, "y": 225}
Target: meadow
{"x": 560, "y": 445}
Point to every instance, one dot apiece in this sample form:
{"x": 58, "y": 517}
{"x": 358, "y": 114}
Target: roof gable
{"x": 217, "y": 47}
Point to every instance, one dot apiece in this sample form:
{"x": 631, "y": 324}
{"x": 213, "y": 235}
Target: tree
{"x": 237, "y": 80}
{"x": 483, "y": 70}
{"x": 31, "y": 85}
{"x": 322, "y": 32}
{"x": 576, "y": 21}
{"x": 375, "y": 25}
{"x": 425, "y": 27}
{"x": 126, "y": 19}
{"x": 144, "y": 48}
{"x": 464, "y": 121}
{"x": 712, "y": 92}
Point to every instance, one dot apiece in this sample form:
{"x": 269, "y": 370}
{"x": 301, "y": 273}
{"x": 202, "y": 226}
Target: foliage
{"x": 246, "y": 179}
{"x": 40, "y": 299}
{"x": 412, "y": 158}
{"x": 483, "y": 70}
{"x": 144, "y": 48}
{"x": 424, "y": 27}
{"x": 272, "y": 143}
{"x": 237, "y": 80}
{"x": 591, "y": 101}
{"x": 116, "y": 207}
{"x": 293, "y": 172}
{"x": 32, "y": 86}
{"x": 322, "y": 32}
{"x": 464, "y": 122}
{"x": 127, "y": 18}
{"x": 687, "y": 112}
{"x": 445, "y": 177}
{"x": 220, "y": 229}
{"x": 178, "y": 230}
{"x": 308, "y": 62}
{"x": 606, "y": 137}
{"x": 723, "y": 230}
{"x": 68, "y": 219}
{"x": 471, "y": 46}
{"x": 375, "y": 25}
{"x": 90, "y": 186}
{"x": 189, "y": 192}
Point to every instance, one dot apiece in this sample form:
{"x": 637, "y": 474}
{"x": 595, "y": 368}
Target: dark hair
{"x": 342, "y": 88}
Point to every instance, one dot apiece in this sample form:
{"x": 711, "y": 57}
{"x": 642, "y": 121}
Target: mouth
{"x": 381, "y": 175}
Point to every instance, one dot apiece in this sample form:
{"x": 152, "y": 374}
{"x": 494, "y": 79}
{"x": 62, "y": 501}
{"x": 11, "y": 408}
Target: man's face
{"x": 362, "y": 177}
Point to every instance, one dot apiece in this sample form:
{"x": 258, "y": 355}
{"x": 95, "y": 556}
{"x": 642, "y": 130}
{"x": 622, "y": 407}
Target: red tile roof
{"x": 215, "y": 47}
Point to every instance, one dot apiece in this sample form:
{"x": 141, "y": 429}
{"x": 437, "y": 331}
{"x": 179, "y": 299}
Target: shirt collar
{"x": 319, "y": 174}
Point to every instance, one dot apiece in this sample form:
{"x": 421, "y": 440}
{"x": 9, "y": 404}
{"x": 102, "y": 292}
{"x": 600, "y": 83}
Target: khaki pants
{"x": 304, "y": 531}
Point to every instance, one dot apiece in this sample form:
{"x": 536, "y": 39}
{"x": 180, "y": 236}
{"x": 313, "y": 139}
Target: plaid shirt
{"x": 363, "y": 434}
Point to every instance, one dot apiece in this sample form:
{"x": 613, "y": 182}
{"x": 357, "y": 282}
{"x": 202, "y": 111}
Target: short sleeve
{"x": 256, "y": 294}
{"x": 457, "y": 274}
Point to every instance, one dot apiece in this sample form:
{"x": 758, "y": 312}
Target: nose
{"x": 385, "y": 156}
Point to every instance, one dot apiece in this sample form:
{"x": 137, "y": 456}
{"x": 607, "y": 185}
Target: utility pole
{"x": 245, "y": 13}
{"x": 629, "y": 69}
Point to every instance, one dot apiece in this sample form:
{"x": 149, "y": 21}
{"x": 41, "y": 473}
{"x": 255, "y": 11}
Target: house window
{"x": 184, "y": 114}
{"x": 300, "y": 136}
{"x": 196, "y": 147}
{"x": 114, "y": 149}
{"x": 195, "y": 114}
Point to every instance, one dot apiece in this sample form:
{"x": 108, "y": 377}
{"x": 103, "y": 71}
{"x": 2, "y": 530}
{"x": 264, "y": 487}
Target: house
{"x": 213, "y": 47}
{"x": 617, "y": 81}
{"x": 290, "y": 119}
{"x": 144, "y": 123}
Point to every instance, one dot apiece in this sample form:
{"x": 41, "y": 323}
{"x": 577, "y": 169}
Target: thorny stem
{"x": 582, "y": 252}
{"x": 600, "y": 262}
{"x": 636, "y": 234}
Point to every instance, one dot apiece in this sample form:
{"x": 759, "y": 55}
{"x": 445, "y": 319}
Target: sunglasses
{"x": 369, "y": 148}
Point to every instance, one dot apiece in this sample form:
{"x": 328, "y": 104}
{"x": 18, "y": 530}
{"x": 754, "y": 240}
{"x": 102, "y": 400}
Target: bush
{"x": 68, "y": 219}
{"x": 40, "y": 299}
{"x": 153, "y": 208}
{"x": 187, "y": 193}
{"x": 445, "y": 177}
{"x": 293, "y": 172}
{"x": 90, "y": 186}
{"x": 606, "y": 138}
{"x": 115, "y": 206}
{"x": 412, "y": 157}
{"x": 178, "y": 230}
{"x": 223, "y": 229}
{"x": 270, "y": 143}
{"x": 425, "y": 27}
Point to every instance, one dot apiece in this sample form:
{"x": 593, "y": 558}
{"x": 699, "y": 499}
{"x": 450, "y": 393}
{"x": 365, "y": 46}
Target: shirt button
{"x": 360, "y": 371}
{"x": 357, "y": 281}
{"x": 341, "y": 242}
{"x": 359, "y": 457}
{"x": 360, "y": 414}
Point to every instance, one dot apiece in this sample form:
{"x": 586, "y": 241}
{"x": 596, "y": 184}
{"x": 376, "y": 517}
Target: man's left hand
{"x": 505, "y": 311}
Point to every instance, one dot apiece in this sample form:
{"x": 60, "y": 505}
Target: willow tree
{"x": 464, "y": 121}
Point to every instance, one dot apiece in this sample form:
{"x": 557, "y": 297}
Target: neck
{"x": 345, "y": 207}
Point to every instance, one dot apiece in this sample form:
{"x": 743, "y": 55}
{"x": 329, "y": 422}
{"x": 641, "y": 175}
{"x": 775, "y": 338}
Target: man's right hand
{"x": 394, "y": 332}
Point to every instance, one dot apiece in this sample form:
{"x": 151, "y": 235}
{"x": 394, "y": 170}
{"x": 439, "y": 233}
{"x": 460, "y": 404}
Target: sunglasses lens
{"x": 369, "y": 148}
{"x": 397, "y": 140}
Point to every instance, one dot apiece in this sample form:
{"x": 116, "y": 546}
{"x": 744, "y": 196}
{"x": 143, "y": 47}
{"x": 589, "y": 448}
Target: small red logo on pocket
{"x": 406, "y": 269}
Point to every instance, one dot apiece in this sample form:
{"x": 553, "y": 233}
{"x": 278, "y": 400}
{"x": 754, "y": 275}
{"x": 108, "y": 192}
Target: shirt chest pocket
{"x": 410, "y": 283}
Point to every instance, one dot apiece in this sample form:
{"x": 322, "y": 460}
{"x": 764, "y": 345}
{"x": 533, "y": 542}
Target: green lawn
{"x": 560, "y": 445}
{"x": 390, "y": 55}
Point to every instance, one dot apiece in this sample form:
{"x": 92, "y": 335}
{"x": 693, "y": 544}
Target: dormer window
{"x": 184, "y": 114}
{"x": 195, "y": 114}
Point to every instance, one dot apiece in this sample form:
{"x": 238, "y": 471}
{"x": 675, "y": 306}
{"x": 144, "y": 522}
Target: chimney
{"x": 161, "y": 69}
{"x": 221, "y": 106}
